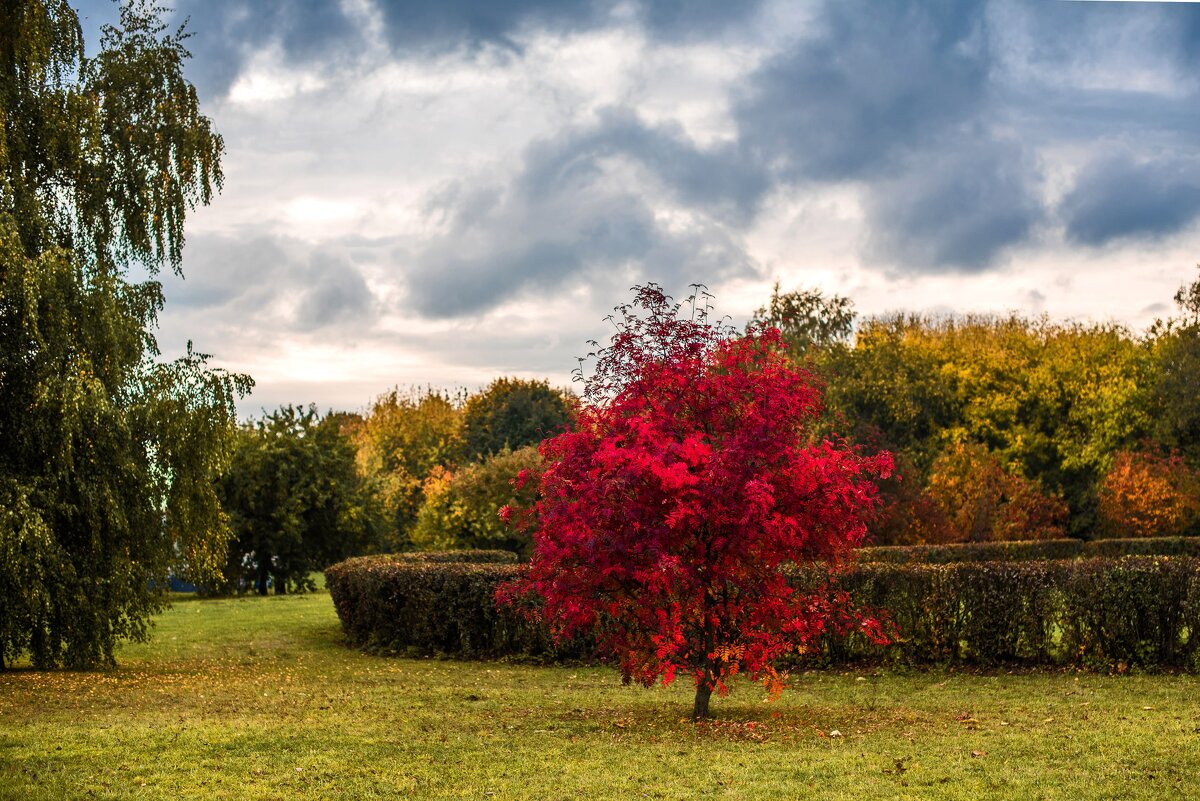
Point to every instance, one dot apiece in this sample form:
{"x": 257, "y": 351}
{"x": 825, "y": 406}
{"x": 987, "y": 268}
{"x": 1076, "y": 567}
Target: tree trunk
{"x": 261, "y": 584}
{"x": 280, "y": 586}
{"x": 700, "y": 708}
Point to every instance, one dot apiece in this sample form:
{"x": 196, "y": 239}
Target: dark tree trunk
{"x": 700, "y": 708}
{"x": 280, "y": 586}
{"x": 261, "y": 584}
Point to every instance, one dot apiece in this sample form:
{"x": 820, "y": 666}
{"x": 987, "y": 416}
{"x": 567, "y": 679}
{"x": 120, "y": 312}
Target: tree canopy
{"x": 666, "y": 514}
{"x": 109, "y": 454}
{"x": 512, "y": 413}
{"x": 295, "y": 499}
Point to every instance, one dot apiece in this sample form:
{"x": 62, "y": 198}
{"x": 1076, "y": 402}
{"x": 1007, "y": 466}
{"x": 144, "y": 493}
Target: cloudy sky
{"x": 445, "y": 191}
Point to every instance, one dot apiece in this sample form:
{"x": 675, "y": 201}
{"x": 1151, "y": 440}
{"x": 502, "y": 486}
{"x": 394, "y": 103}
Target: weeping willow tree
{"x": 108, "y": 452}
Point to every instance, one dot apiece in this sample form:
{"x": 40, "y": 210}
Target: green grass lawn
{"x": 258, "y": 699}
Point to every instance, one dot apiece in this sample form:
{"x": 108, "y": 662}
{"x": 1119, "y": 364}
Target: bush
{"x": 984, "y": 501}
{"x": 1097, "y": 613}
{"x": 1146, "y": 494}
{"x": 466, "y": 556}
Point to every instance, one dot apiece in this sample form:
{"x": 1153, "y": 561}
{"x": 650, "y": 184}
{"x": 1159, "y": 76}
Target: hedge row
{"x": 467, "y": 556}
{"x": 435, "y": 606}
{"x": 1030, "y": 550}
{"x": 1099, "y": 613}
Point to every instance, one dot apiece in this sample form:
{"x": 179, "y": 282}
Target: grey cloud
{"x": 222, "y": 271}
{"x": 227, "y": 32}
{"x": 336, "y": 292}
{"x": 719, "y": 179}
{"x": 957, "y": 211}
{"x": 582, "y": 232}
{"x": 1156, "y": 308}
{"x": 873, "y": 84}
{"x": 569, "y": 217}
{"x": 1119, "y": 197}
{"x": 1059, "y": 34}
{"x": 897, "y": 96}
{"x": 265, "y": 281}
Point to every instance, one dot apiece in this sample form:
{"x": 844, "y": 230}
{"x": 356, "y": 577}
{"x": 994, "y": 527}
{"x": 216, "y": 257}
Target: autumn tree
{"x": 1176, "y": 347}
{"x": 107, "y": 454}
{"x": 462, "y": 505}
{"x": 807, "y": 320}
{"x": 1054, "y": 401}
{"x": 1146, "y": 494}
{"x": 984, "y": 500}
{"x": 512, "y": 413}
{"x": 668, "y": 513}
{"x": 405, "y": 439}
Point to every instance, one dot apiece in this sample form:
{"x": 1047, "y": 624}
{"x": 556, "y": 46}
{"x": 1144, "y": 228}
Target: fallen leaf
{"x": 978, "y": 754}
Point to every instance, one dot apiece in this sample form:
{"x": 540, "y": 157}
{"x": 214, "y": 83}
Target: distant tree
{"x": 512, "y": 413}
{"x": 1176, "y": 344}
{"x": 983, "y": 501}
{"x": 666, "y": 514}
{"x": 1054, "y": 400}
{"x": 295, "y": 498}
{"x": 1146, "y": 494}
{"x": 107, "y": 455}
{"x": 405, "y": 439}
{"x": 462, "y": 508}
{"x": 908, "y": 514}
{"x": 807, "y": 320}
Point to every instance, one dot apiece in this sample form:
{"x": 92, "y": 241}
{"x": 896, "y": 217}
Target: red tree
{"x": 667, "y": 514}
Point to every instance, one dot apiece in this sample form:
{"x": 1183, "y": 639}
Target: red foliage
{"x": 667, "y": 514}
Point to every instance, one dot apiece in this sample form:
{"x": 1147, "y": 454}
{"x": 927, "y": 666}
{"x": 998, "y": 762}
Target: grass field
{"x": 258, "y": 699}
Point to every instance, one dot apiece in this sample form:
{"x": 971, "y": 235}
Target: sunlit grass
{"x": 257, "y": 698}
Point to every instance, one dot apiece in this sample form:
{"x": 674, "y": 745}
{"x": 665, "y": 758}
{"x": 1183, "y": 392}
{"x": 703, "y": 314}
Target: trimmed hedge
{"x": 1097, "y": 613}
{"x": 436, "y": 606}
{"x": 467, "y": 556}
{"x": 1026, "y": 550}
{"x": 1011, "y": 551}
{"x": 1144, "y": 546}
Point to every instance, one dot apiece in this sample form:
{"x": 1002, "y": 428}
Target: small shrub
{"x": 462, "y": 508}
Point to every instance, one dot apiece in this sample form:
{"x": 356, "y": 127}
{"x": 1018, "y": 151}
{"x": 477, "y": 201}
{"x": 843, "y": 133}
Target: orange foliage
{"x": 1146, "y": 495}
{"x": 983, "y": 501}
